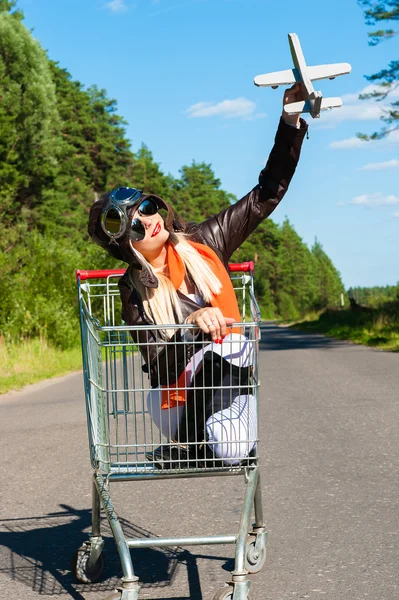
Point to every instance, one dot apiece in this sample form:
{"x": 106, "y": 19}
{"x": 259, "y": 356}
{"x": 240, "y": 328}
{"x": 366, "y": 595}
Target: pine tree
{"x": 95, "y": 155}
{"x": 197, "y": 194}
{"x": 296, "y": 282}
{"x": 29, "y": 126}
{"x": 329, "y": 284}
{"x": 146, "y": 174}
{"x": 9, "y": 6}
{"x": 387, "y": 79}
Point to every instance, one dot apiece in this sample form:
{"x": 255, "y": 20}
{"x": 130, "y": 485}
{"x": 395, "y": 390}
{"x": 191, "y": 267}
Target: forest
{"x": 61, "y": 146}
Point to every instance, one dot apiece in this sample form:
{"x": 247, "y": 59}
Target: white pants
{"x": 231, "y": 432}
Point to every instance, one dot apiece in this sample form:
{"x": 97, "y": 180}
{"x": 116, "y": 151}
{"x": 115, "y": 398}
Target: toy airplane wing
{"x": 277, "y": 78}
{"x": 328, "y": 71}
{"x": 295, "y": 108}
{"x": 290, "y": 76}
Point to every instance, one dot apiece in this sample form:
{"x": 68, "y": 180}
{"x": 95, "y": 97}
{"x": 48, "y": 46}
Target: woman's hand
{"x": 293, "y": 94}
{"x": 211, "y": 320}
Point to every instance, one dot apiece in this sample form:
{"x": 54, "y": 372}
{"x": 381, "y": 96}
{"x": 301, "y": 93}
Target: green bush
{"x": 40, "y": 297}
{"x": 286, "y": 307}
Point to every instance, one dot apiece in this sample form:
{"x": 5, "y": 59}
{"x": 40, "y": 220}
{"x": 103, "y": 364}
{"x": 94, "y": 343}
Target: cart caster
{"x": 225, "y": 593}
{"x": 80, "y": 568}
{"x": 255, "y": 558}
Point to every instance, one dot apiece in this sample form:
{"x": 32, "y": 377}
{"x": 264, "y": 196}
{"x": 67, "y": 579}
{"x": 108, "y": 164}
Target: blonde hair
{"x": 162, "y": 304}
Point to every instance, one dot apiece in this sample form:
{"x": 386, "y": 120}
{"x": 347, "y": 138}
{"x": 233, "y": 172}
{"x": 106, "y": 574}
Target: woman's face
{"x": 155, "y": 234}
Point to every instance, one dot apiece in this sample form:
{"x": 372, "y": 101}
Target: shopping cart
{"x": 124, "y": 437}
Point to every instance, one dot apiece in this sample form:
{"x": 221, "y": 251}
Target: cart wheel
{"x": 254, "y": 560}
{"x": 225, "y": 593}
{"x": 79, "y": 566}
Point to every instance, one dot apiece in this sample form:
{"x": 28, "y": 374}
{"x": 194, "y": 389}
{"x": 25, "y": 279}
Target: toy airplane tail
{"x": 294, "y": 108}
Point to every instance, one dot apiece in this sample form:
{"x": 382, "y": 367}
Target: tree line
{"x": 61, "y": 146}
{"x": 374, "y": 296}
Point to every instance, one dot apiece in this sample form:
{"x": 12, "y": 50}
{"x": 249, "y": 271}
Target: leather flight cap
{"x": 121, "y": 248}
{"x": 117, "y": 209}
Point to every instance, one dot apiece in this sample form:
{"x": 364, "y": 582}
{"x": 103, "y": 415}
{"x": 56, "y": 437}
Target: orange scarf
{"x": 226, "y": 301}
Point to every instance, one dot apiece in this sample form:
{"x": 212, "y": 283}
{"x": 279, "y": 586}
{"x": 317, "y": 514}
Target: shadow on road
{"x": 283, "y": 338}
{"x": 38, "y": 551}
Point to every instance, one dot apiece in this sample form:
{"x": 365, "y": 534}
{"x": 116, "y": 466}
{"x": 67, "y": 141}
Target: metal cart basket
{"x": 133, "y": 437}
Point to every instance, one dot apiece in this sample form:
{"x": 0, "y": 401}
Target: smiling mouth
{"x": 157, "y": 229}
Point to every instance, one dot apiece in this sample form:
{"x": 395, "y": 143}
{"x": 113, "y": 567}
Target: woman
{"x": 178, "y": 275}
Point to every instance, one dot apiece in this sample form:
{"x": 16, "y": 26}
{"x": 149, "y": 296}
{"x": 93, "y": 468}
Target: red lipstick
{"x": 157, "y": 229}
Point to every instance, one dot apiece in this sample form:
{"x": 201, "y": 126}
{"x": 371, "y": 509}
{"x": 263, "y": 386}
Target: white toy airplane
{"x": 314, "y": 101}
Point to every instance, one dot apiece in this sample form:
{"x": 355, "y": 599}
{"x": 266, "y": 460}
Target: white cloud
{"x": 389, "y": 164}
{"x": 229, "y": 109}
{"x": 117, "y": 6}
{"x": 396, "y": 214}
{"x": 364, "y": 111}
{"x": 354, "y": 142}
{"x": 377, "y": 199}
{"x": 354, "y": 109}
{"x": 369, "y": 89}
{"x": 347, "y": 98}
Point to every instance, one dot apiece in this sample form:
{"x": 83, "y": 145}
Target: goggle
{"x": 114, "y": 219}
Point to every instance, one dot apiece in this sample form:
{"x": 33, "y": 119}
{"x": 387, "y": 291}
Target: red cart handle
{"x": 244, "y": 267}
{"x": 102, "y": 274}
{"x": 98, "y": 274}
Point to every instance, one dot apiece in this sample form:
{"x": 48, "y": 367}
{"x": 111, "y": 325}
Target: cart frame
{"x": 108, "y": 400}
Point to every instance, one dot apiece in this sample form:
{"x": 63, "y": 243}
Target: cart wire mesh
{"x": 130, "y": 435}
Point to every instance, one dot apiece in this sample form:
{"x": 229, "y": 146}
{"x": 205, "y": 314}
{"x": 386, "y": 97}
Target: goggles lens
{"x": 113, "y": 221}
{"x": 125, "y": 195}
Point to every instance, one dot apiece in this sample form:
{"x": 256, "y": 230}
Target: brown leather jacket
{"x": 224, "y": 233}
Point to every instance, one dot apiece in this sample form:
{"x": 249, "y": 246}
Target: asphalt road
{"x": 330, "y": 482}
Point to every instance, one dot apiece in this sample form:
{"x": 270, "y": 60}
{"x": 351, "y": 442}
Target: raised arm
{"x": 230, "y": 228}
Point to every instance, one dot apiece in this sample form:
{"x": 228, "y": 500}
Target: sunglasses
{"x": 146, "y": 209}
{"x": 114, "y": 219}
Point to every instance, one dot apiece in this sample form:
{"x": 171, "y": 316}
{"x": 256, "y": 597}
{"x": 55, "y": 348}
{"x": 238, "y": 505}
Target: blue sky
{"x": 182, "y": 73}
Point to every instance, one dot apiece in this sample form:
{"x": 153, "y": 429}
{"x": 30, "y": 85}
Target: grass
{"x": 378, "y": 327}
{"x": 33, "y": 360}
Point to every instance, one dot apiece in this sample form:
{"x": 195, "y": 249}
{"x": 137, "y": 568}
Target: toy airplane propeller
{"x": 314, "y": 101}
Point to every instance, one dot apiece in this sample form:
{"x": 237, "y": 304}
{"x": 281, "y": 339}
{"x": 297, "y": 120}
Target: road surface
{"x": 330, "y": 480}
